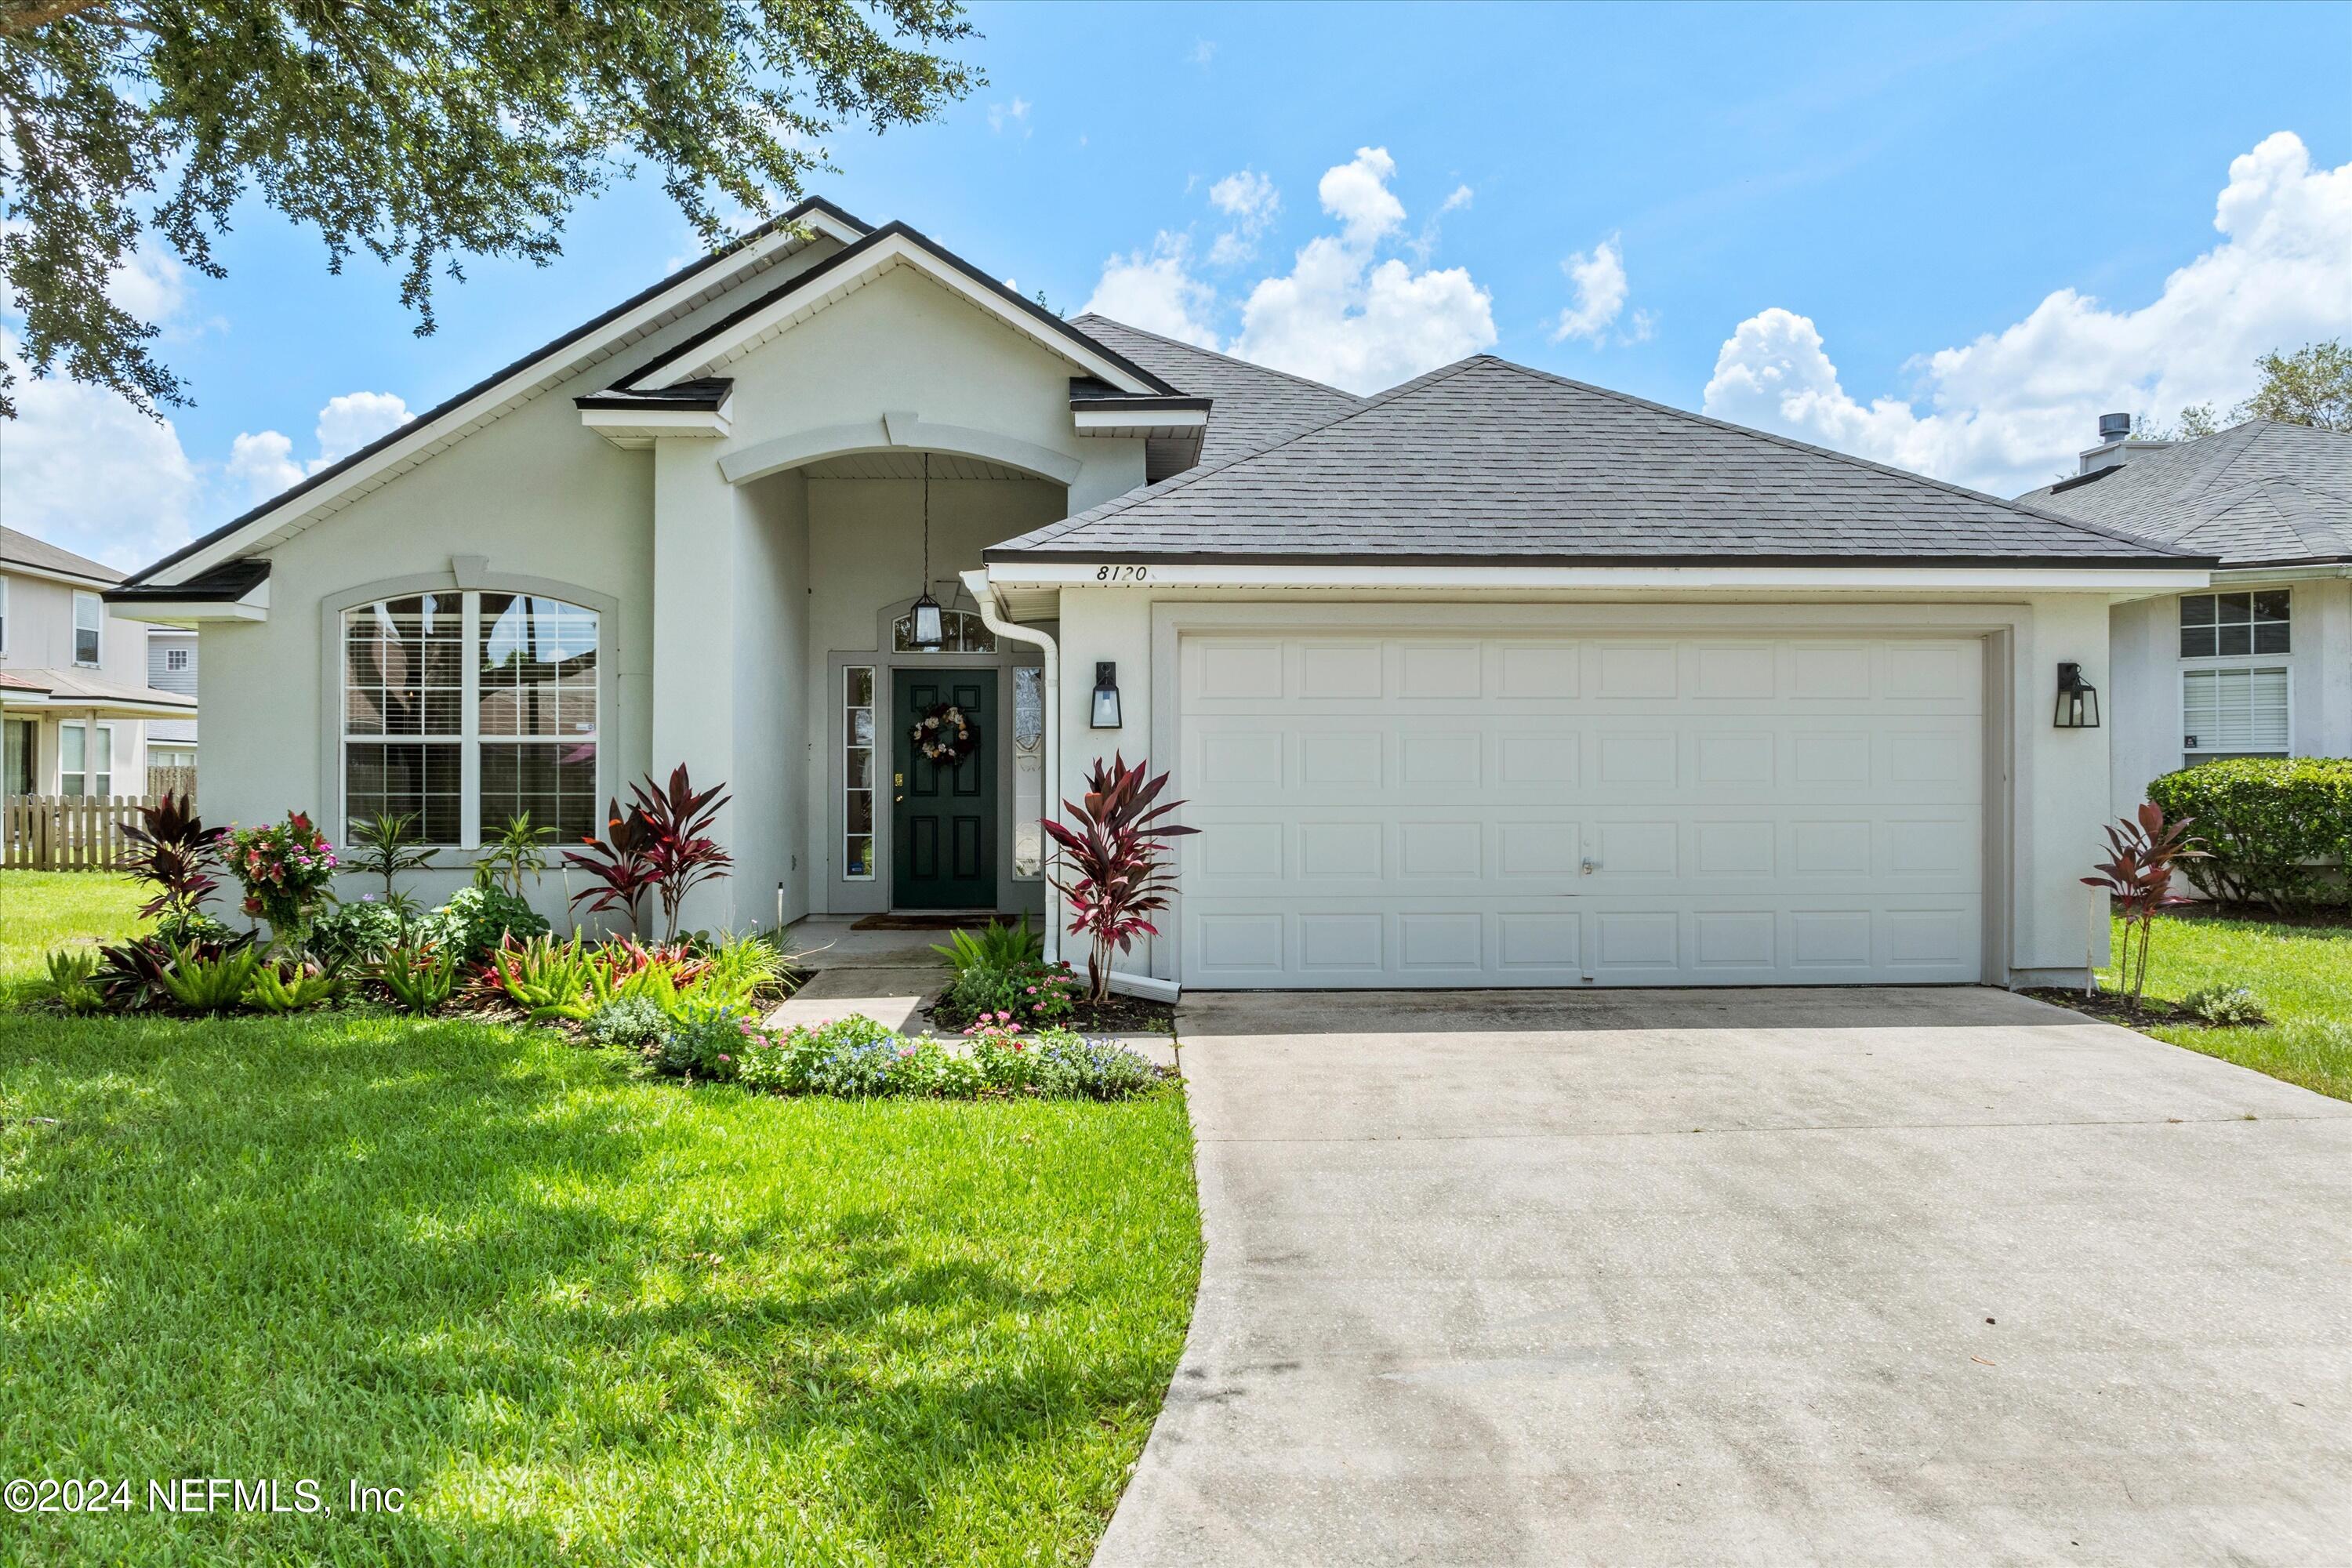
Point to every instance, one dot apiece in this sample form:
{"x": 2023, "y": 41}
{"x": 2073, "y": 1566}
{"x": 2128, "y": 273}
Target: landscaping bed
{"x": 573, "y": 1313}
{"x": 2301, "y": 974}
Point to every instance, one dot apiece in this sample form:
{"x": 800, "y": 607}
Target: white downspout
{"x": 976, "y": 583}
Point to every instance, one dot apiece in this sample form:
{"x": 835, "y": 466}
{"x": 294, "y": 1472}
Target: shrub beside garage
{"x": 2277, "y": 830}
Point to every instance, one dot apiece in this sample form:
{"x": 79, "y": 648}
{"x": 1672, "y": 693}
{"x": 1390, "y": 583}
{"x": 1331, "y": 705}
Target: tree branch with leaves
{"x": 423, "y": 133}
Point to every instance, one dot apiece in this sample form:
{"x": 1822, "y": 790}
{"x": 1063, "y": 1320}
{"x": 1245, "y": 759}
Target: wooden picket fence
{"x": 65, "y": 833}
{"x": 162, "y": 782}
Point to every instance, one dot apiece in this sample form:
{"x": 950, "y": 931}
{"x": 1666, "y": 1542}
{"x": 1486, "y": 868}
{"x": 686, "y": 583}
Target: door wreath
{"x": 946, "y": 734}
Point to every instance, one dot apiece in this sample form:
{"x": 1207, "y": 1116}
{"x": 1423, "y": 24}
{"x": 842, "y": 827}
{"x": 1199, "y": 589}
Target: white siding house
{"x": 75, "y": 700}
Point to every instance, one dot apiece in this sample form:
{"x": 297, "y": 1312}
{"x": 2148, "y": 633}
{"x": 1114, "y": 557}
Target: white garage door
{"x": 1426, "y": 811}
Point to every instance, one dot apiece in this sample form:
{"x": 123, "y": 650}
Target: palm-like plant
{"x": 387, "y": 844}
{"x": 173, "y": 853}
{"x": 518, "y": 849}
{"x": 619, "y": 865}
{"x": 2146, "y": 848}
{"x": 1109, "y": 866}
{"x": 679, "y": 851}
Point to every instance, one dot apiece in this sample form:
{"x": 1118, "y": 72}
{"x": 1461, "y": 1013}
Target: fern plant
{"x": 992, "y": 946}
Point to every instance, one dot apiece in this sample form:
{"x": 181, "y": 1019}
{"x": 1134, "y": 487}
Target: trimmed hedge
{"x": 2278, "y": 829}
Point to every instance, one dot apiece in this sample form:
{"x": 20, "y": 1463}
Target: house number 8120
{"x": 1122, "y": 573}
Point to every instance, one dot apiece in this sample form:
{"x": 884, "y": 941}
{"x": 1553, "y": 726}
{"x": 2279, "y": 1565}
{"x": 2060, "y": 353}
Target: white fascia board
{"x": 104, "y": 707}
{"x": 893, "y": 250}
{"x": 1148, "y": 423}
{"x": 632, "y": 428}
{"x": 492, "y": 399}
{"x": 52, "y": 575}
{"x": 253, "y": 605}
{"x": 1492, "y": 579}
{"x": 2252, "y": 575}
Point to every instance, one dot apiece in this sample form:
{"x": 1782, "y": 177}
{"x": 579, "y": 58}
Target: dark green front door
{"x": 943, "y": 819}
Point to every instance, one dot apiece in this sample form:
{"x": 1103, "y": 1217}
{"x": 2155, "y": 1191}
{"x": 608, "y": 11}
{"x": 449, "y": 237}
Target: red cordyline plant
{"x": 619, "y": 863}
{"x": 1110, "y": 864}
{"x": 174, "y": 854}
{"x": 2146, "y": 850}
{"x": 662, "y": 843}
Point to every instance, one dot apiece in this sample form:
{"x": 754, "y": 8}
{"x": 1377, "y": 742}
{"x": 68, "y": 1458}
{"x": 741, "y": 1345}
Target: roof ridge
{"x": 1218, "y": 354}
{"x": 1193, "y": 476}
{"x": 1831, "y": 452}
{"x": 790, "y": 215}
{"x": 897, "y": 228}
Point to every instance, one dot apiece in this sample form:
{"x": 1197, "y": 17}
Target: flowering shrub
{"x": 1007, "y": 1060}
{"x": 705, "y": 1040}
{"x": 1037, "y": 995}
{"x": 1070, "y": 1067}
{"x": 285, "y": 869}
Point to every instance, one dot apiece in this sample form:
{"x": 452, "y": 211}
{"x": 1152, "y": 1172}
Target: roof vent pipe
{"x": 2115, "y": 428}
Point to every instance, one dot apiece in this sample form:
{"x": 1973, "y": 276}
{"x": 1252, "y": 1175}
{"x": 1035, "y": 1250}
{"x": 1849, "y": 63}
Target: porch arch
{"x": 895, "y": 432}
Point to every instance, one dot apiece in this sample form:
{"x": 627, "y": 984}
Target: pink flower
{"x": 1033, "y": 991}
{"x": 725, "y": 1058}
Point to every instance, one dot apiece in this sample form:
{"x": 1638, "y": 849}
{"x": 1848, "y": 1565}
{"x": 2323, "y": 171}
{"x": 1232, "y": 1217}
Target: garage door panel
{"x": 1420, "y": 811}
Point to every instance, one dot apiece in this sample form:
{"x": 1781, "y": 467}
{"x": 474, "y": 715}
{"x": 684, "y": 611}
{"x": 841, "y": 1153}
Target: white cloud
{"x": 350, "y": 421}
{"x": 1344, "y": 317}
{"x": 2008, "y": 411}
{"x": 1014, "y": 114}
{"x": 82, "y": 468}
{"x": 262, "y": 463}
{"x": 1250, "y": 200}
{"x": 1599, "y": 278}
{"x": 1342, "y": 314}
{"x": 1156, "y": 290}
{"x": 1357, "y": 192}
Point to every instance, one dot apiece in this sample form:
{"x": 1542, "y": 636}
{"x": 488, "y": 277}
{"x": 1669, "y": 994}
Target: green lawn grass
{"x": 2303, "y": 974}
{"x": 575, "y": 1317}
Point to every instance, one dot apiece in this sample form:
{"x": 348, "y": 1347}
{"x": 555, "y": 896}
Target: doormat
{"x": 929, "y": 922}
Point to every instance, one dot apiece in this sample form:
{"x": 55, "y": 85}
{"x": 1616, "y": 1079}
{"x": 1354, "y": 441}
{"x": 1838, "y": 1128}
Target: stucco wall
{"x": 2144, "y": 706}
{"x": 2060, "y": 789}
{"x": 735, "y": 594}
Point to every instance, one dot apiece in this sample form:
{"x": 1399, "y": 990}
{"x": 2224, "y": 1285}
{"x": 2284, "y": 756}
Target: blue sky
{"x": 1786, "y": 216}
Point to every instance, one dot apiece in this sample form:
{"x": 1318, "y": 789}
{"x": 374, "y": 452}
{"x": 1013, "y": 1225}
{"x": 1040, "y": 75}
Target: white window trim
{"x": 876, "y": 766}
{"x": 87, "y": 728}
{"x": 174, "y": 653}
{"x": 100, "y": 632}
{"x": 3, "y": 617}
{"x": 2221, "y": 660}
{"x": 332, "y": 760}
{"x": 2216, "y": 665}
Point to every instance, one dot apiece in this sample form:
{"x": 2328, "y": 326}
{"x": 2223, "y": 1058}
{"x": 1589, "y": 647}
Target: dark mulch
{"x": 1119, "y": 1015}
{"x": 2117, "y": 1009}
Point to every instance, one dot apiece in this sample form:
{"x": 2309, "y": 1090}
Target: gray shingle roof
{"x": 1254, "y": 406}
{"x": 2260, "y": 493}
{"x": 1485, "y": 459}
{"x": 23, "y": 550}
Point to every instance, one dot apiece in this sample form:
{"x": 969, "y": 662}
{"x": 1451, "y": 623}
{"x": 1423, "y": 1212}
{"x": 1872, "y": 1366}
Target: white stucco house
{"x": 1493, "y": 679}
{"x": 2260, "y": 664}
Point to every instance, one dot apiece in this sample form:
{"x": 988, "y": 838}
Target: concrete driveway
{"x": 1900, "y": 1277}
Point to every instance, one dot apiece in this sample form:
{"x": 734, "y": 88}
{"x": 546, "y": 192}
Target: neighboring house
{"x": 1496, "y": 679}
{"x": 75, "y": 700}
{"x": 2260, "y": 664}
{"x": 172, "y": 667}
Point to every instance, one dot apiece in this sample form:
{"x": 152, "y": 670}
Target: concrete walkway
{"x": 1846, "y": 1277}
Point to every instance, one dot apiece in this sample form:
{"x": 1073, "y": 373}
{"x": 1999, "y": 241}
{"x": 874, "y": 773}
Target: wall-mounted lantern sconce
{"x": 1105, "y": 714}
{"x": 2078, "y": 700}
